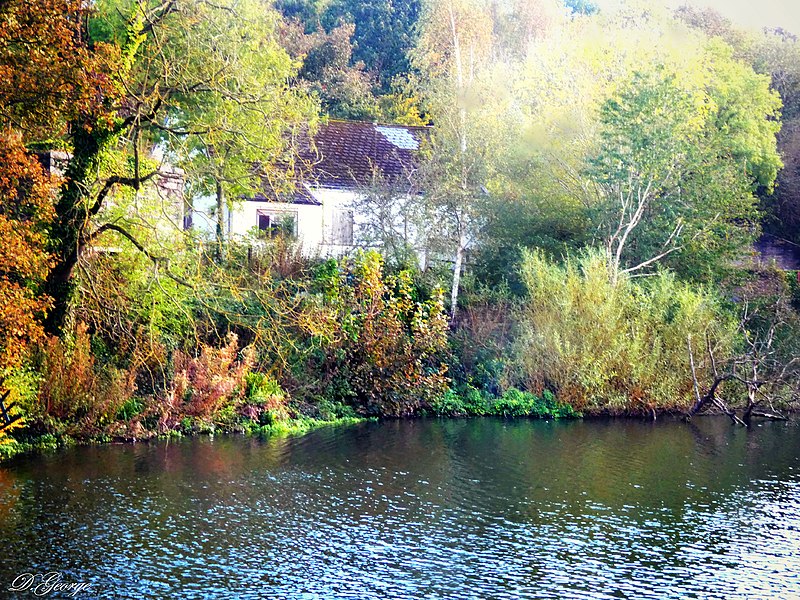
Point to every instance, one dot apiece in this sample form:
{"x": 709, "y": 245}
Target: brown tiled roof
{"x": 300, "y": 195}
{"x": 345, "y": 154}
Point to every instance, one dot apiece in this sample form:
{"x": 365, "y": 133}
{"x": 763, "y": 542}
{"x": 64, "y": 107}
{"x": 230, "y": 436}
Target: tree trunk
{"x": 220, "y": 250}
{"x": 459, "y": 261}
{"x": 73, "y": 214}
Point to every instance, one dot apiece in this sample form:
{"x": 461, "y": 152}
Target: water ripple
{"x": 425, "y": 509}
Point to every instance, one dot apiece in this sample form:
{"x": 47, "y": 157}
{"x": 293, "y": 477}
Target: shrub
{"x": 614, "y": 348}
{"x": 450, "y": 404}
{"x": 513, "y": 403}
{"x": 331, "y": 411}
{"x": 386, "y": 355}
{"x": 205, "y": 385}
{"x": 266, "y": 396}
{"x": 516, "y": 403}
{"x": 75, "y": 390}
{"x": 466, "y": 401}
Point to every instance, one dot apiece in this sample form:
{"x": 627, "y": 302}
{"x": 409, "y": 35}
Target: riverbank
{"x": 513, "y": 405}
{"x": 135, "y": 422}
{"x": 48, "y": 442}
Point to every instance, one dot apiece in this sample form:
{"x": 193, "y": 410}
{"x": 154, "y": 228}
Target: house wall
{"x": 337, "y": 207}
{"x": 326, "y": 230}
{"x": 321, "y": 230}
{"x": 243, "y": 220}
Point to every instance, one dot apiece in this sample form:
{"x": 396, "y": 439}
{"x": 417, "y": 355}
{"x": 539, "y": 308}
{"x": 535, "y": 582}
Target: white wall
{"x": 243, "y": 220}
{"x": 333, "y": 200}
{"x": 315, "y": 224}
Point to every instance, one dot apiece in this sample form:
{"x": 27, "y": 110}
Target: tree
{"x": 390, "y": 219}
{"x": 679, "y": 163}
{"x": 229, "y": 114}
{"x": 454, "y": 44}
{"x": 763, "y": 371}
{"x": 50, "y": 72}
{"x": 654, "y": 150}
{"x": 384, "y": 33}
{"x": 343, "y": 87}
{"x": 26, "y": 209}
{"x": 54, "y": 79}
{"x": 174, "y": 71}
{"x": 776, "y": 53}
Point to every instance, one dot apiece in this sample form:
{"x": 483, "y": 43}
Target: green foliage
{"x": 299, "y": 426}
{"x": 246, "y": 111}
{"x": 634, "y": 105}
{"x": 354, "y": 55}
{"x": 661, "y": 153}
{"x": 330, "y": 410}
{"x": 546, "y": 128}
{"x": 343, "y": 86}
{"x": 384, "y": 32}
{"x": 131, "y": 408}
{"x": 793, "y": 282}
{"x": 615, "y": 348}
{"x": 481, "y": 340}
{"x": 261, "y": 389}
{"x": 514, "y": 403}
{"x": 386, "y": 346}
{"x": 470, "y": 401}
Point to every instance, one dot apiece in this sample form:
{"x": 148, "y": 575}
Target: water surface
{"x": 419, "y": 509}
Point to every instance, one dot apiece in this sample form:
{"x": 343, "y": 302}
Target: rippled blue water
{"x": 419, "y": 509}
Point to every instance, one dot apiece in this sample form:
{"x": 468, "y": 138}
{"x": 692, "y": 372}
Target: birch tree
{"x": 455, "y": 44}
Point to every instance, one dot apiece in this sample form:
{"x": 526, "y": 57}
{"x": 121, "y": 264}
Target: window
{"x": 275, "y": 222}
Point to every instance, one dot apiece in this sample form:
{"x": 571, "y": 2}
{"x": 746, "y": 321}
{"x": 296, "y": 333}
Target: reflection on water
{"x": 420, "y": 509}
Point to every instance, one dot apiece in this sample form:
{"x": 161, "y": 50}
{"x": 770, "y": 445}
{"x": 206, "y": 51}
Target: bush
{"x": 215, "y": 387}
{"x": 513, "y": 403}
{"x": 615, "y": 348}
{"x": 76, "y": 392}
{"x": 331, "y": 411}
{"x": 385, "y": 353}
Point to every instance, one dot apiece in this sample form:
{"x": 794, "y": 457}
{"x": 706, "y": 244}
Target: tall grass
{"x": 615, "y": 348}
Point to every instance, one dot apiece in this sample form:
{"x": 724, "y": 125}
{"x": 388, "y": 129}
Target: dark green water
{"x": 421, "y": 509}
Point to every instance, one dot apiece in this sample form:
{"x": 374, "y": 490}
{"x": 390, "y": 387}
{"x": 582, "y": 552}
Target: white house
{"x": 337, "y": 167}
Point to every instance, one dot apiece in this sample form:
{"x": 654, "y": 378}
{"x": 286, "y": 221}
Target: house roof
{"x": 346, "y": 154}
{"x": 300, "y": 195}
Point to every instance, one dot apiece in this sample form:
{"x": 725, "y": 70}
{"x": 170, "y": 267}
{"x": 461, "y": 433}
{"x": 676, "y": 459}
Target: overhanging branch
{"x": 158, "y": 261}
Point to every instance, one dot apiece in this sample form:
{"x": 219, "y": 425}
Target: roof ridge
{"x": 375, "y": 124}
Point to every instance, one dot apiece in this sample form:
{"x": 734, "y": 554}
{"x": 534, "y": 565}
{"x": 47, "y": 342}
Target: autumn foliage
{"x": 26, "y": 207}
{"x": 387, "y": 357}
{"x": 204, "y": 384}
{"x": 77, "y": 393}
{"x": 49, "y": 71}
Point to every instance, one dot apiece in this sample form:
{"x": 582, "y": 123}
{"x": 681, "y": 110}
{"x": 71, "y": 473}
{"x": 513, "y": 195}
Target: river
{"x": 479, "y": 508}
